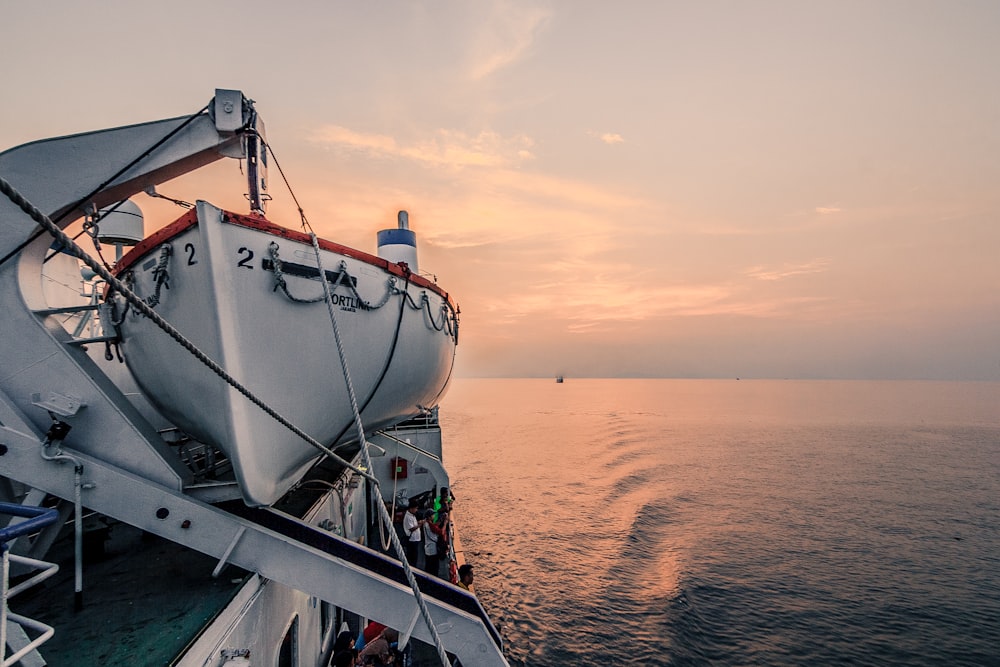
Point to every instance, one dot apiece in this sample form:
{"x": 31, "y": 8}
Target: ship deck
{"x": 144, "y": 599}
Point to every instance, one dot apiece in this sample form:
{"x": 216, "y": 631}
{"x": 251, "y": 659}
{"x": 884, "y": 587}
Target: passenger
{"x": 443, "y": 500}
{"x": 444, "y": 537}
{"x": 431, "y": 557}
{"x": 465, "y": 577}
{"x": 345, "y": 658}
{"x": 435, "y": 544}
{"x": 344, "y": 653}
{"x": 345, "y": 640}
{"x": 411, "y": 528}
{"x": 371, "y": 631}
{"x": 380, "y": 650}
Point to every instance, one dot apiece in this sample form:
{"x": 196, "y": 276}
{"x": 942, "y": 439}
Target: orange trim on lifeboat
{"x": 262, "y": 224}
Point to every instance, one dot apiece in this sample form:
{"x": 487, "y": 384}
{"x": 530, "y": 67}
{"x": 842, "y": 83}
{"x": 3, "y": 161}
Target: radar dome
{"x": 121, "y": 224}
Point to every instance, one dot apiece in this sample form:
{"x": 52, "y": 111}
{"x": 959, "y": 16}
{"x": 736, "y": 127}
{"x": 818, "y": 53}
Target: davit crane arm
{"x": 67, "y": 177}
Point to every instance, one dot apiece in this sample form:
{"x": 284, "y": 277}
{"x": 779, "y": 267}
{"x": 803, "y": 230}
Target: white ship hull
{"x": 399, "y": 333}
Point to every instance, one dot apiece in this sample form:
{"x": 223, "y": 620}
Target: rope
{"x": 160, "y": 275}
{"x": 279, "y": 276}
{"x": 425, "y": 304}
{"x": 274, "y": 158}
{"x": 383, "y": 512}
{"x": 88, "y": 227}
{"x": 384, "y": 541}
{"x": 385, "y": 369}
{"x": 151, "y": 191}
{"x": 133, "y": 299}
{"x": 446, "y": 322}
{"x": 339, "y": 279}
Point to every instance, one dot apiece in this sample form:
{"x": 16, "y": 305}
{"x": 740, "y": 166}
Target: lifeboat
{"x": 247, "y": 293}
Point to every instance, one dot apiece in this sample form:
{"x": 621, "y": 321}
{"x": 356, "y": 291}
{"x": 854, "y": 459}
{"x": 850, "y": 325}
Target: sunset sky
{"x": 678, "y": 189}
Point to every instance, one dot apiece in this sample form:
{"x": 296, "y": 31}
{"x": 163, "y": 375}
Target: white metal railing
{"x": 36, "y": 519}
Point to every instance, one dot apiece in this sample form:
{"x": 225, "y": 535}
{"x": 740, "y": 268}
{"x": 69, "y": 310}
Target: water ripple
{"x": 751, "y": 523}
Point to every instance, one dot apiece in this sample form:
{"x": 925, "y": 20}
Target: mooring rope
{"x": 328, "y": 297}
{"x": 383, "y": 512}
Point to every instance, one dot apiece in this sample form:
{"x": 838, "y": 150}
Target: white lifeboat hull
{"x": 399, "y": 333}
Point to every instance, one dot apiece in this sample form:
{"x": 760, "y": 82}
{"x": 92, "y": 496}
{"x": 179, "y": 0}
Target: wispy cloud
{"x": 826, "y": 210}
{"x": 613, "y": 303}
{"x": 444, "y": 147}
{"x": 502, "y": 206}
{"x": 479, "y": 193}
{"x": 609, "y": 138}
{"x": 506, "y": 37}
{"x": 787, "y": 270}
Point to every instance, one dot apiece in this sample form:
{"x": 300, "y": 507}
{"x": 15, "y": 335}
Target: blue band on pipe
{"x": 397, "y": 237}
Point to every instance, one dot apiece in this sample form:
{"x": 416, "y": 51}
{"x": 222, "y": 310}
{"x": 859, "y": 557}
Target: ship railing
{"x": 408, "y": 445}
{"x": 36, "y": 518}
{"x": 87, "y": 311}
{"x": 371, "y": 561}
{"x": 428, "y": 421}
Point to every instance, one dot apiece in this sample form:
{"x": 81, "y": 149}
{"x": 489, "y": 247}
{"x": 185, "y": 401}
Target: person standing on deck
{"x": 432, "y": 553}
{"x": 443, "y": 502}
{"x": 411, "y": 527}
{"x": 436, "y": 538}
{"x": 444, "y": 536}
{"x": 465, "y": 577}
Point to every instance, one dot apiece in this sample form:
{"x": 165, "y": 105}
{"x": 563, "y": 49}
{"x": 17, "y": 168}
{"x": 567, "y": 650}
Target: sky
{"x": 774, "y": 189}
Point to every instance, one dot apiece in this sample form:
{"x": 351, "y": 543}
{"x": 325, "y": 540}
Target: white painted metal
{"x": 223, "y": 299}
{"x": 124, "y": 225}
{"x": 55, "y": 174}
{"x": 141, "y": 503}
{"x": 13, "y": 626}
{"x": 400, "y": 244}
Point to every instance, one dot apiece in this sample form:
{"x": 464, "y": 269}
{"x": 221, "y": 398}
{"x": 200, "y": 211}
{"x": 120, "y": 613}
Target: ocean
{"x": 731, "y": 522}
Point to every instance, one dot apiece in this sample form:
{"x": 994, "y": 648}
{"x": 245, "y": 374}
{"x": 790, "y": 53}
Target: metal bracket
{"x": 58, "y": 404}
{"x": 404, "y": 637}
{"x": 229, "y": 550}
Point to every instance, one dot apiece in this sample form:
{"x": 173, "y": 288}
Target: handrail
{"x": 372, "y": 561}
{"x": 410, "y": 445}
{"x": 36, "y": 519}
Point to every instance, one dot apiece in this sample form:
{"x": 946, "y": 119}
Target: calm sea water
{"x": 690, "y": 522}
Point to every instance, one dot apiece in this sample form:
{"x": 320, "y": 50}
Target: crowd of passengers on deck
{"x": 426, "y": 535}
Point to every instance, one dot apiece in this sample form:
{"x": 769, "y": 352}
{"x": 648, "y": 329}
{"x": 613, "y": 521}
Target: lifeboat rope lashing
{"x": 383, "y": 512}
{"x": 448, "y": 324}
{"x": 160, "y": 275}
{"x": 425, "y": 304}
{"x": 339, "y": 279}
{"x": 279, "y": 277}
{"x": 140, "y": 305}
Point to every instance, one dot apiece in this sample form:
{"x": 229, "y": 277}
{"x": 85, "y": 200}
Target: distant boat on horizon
{"x": 559, "y": 379}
